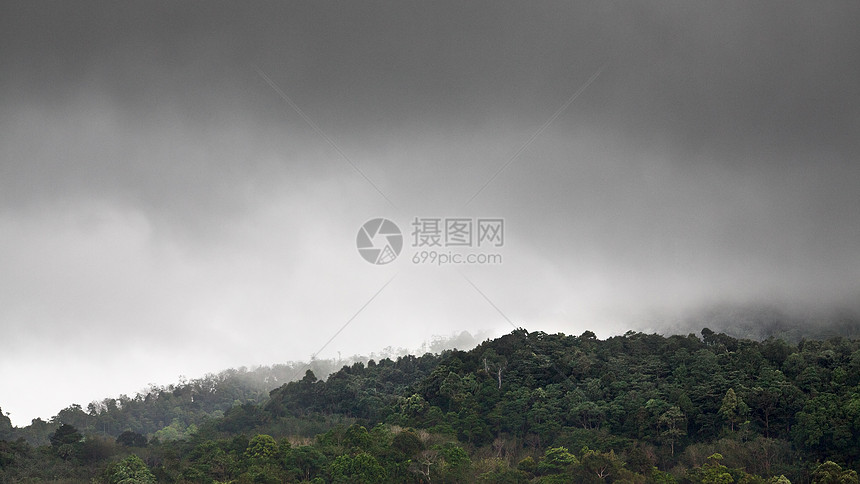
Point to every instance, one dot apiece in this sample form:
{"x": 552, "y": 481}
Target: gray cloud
{"x": 160, "y": 204}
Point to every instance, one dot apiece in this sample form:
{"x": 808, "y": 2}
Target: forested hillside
{"x": 170, "y": 412}
{"x": 526, "y": 407}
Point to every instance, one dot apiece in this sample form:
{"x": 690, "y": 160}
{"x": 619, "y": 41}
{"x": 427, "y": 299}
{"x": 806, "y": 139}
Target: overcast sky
{"x": 164, "y": 210}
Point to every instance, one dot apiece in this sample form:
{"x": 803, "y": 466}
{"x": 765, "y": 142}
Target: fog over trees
{"x": 526, "y": 407}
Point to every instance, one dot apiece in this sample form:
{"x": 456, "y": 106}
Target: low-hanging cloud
{"x": 164, "y": 211}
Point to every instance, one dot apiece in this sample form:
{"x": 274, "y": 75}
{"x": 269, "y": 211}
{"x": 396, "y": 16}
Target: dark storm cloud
{"x": 734, "y": 83}
{"x": 751, "y": 84}
{"x": 150, "y": 178}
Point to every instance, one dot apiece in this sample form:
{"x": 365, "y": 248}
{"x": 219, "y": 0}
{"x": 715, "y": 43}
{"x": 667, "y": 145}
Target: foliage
{"x": 526, "y": 407}
{"x": 65, "y": 435}
{"x": 131, "y": 470}
{"x": 832, "y": 473}
{"x": 131, "y": 439}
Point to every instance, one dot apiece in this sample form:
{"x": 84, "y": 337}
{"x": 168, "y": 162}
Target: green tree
{"x": 131, "y": 470}
{"x": 453, "y": 389}
{"x": 733, "y": 409}
{"x": 557, "y": 460}
{"x": 66, "y": 441}
{"x": 712, "y": 472}
{"x": 262, "y": 447}
{"x": 131, "y": 439}
{"x": 672, "y": 423}
{"x": 766, "y": 397}
{"x": 305, "y": 461}
{"x": 599, "y": 465}
{"x": 408, "y": 443}
{"x": 413, "y": 406}
{"x": 832, "y": 473}
{"x": 65, "y": 434}
{"x": 528, "y": 465}
{"x": 455, "y": 462}
{"x": 73, "y": 415}
{"x": 361, "y": 469}
{"x": 358, "y": 437}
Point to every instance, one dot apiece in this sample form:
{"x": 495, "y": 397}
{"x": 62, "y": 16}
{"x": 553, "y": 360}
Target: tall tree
{"x": 733, "y": 408}
{"x": 673, "y": 423}
{"x": 65, "y": 434}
